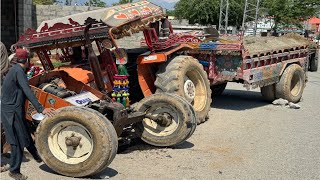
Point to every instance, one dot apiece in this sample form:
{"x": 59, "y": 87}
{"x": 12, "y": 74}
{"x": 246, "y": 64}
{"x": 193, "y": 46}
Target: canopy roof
{"x": 314, "y": 20}
{"x": 112, "y": 16}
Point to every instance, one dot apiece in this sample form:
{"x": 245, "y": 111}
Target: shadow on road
{"x": 238, "y": 100}
{"x": 105, "y": 174}
{"x": 139, "y": 145}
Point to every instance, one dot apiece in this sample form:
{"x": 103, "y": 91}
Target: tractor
{"x": 97, "y": 110}
{"x": 181, "y": 75}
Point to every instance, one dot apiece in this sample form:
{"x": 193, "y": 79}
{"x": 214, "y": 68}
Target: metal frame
{"x": 249, "y": 7}
{"x": 223, "y": 17}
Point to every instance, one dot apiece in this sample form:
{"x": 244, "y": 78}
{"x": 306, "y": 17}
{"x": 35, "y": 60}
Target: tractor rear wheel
{"x": 185, "y": 77}
{"x": 291, "y": 84}
{"x": 77, "y": 141}
{"x": 169, "y": 120}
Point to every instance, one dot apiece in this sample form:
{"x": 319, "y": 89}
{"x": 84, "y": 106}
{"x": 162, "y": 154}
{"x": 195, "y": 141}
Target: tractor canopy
{"x": 112, "y": 22}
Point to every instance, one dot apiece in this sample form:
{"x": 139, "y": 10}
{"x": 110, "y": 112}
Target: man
{"x": 15, "y": 90}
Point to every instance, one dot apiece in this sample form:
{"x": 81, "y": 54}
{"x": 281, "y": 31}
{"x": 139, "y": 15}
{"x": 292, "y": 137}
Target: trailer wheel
{"x": 172, "y": 120}
{"x": 218, "y": 89}
{"x": 185, "y": 77}
{"x": 292, "y": 83}
{"x": 314, "y": 61}
{"x": 269, "y": 92}
{"x": 77, "y": 141}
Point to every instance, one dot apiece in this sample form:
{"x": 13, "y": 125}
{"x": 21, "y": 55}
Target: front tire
{"x": 178, "y": 125}
{"x": 185, "y": 77}
{"x": 77, "y": 141}
{"x": 291, "y": 84}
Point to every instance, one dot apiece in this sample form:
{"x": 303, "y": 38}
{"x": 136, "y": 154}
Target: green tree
{"x": 290, "y": 12}
{"x": 207, "y": 11}
{"x": 122, "y": 2}
{"x": 68, "y": 2}
{"x": 44, "y": 2}
{"x": 96, "y": 3}
{"x": 170, "y": 12}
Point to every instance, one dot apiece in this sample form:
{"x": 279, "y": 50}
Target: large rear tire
{"x": 185, "y": 77}
{"x": 178, "y": 125}
{"x": 77, "y": 141}
{"x": 314, "y": 61}
{"x": 292, "y": 83}
{"x": 269, "y": 92}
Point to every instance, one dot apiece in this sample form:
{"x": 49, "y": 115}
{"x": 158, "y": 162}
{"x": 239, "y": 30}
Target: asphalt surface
{"x": 245, "y": 138}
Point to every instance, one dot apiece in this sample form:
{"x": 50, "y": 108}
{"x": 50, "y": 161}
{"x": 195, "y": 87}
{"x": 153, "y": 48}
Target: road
{"x": 245, "y": 138}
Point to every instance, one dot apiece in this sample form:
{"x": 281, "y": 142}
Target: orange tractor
{"x": 94, "y": 94}
{"x": 186, "y": 76}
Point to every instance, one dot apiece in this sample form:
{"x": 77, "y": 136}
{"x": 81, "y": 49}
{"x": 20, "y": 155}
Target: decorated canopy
{"x": 112, "y": 16}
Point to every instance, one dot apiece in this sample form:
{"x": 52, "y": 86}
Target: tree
{"x": 207, "y": 11}
{"x": 170, "y": 12}
{"x": 96, "y": 3}
{"x": 122, "y": 2}
{"x": 45, "y": 2}
{"x": 68, "y": 2}
{"x": 290, "y": 12}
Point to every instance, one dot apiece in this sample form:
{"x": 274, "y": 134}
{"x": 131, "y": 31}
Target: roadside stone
{"x": 280, "y": 102}
{"x": 294, "y": 106}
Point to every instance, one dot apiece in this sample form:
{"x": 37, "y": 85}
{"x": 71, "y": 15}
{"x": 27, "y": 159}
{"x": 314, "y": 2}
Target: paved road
{"x": 245, "y": 138}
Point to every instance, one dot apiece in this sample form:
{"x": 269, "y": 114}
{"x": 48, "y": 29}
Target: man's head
{"x": 22, "y": 57}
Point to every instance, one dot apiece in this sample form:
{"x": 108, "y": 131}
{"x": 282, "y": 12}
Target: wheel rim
{"x": 189, "y": 90}
{"x": 197, "y": 89}
{"x": 65, "y": 145}
{"x": 296, "y": 84}
{"x": 156, "y": 128}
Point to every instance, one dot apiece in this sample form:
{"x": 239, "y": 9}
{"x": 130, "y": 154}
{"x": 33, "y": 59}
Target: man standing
{"x": 15, "y": 90}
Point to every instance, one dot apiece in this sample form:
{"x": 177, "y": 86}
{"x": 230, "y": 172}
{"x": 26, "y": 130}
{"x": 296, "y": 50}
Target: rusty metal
{"x": 94, "y": 62}
{"x": 163, "y": 119}
{"x": 132, "y": 118}
{"x": 73, "y": 141}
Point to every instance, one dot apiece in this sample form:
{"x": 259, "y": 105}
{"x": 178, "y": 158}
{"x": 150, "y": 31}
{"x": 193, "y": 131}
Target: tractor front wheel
{"x": 77, "y": 141}
{"x": 169, "y": 120}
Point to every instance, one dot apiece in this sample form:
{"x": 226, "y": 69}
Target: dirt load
{"x": 263, "y": 44}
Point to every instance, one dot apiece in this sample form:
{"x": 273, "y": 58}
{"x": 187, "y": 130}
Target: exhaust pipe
{"x": 94, "y": 62}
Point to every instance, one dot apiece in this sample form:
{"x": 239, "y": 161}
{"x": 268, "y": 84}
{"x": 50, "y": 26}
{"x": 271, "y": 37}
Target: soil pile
{"x": 263, "y": 44}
